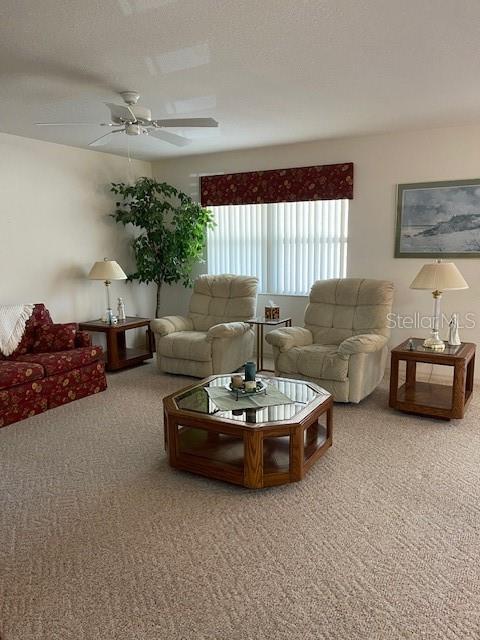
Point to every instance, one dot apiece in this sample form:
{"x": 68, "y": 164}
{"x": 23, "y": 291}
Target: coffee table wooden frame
{"x": 302, "y": 429}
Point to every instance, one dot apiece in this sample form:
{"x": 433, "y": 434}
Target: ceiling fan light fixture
{"x": 133, "y": 130}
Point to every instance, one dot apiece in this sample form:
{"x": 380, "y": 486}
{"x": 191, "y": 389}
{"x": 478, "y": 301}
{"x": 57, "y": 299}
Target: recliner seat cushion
{"x": 193, "y": 368}
{"x": 314, "y": 361}
{"x": 186, "y": 345}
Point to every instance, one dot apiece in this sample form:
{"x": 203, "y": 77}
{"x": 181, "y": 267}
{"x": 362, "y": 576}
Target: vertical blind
{"x": 287, "y": 245}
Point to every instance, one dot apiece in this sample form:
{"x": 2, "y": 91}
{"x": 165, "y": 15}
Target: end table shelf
{"x": 445, "y": 401}
{"x": 118, "y": 355}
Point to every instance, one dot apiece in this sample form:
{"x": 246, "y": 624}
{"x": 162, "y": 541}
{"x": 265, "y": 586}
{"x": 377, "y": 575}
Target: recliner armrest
{"x": 363, "y": 343}
{"x": 170, "y": 324}
{"x": 227, "y": 330}
{"x": 288, "y": 337}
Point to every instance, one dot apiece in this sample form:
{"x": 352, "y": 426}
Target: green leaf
{"x": 171, "y": 226}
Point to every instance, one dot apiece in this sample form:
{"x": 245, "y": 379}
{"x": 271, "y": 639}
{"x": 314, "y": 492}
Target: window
{"x": 287, "y": 245}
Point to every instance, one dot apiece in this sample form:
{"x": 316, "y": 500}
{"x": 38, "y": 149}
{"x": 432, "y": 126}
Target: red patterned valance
{"x": 323, "y": 182}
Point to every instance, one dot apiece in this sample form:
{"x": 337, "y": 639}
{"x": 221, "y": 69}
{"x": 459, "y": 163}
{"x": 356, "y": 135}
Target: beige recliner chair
{"x": 213, "y": 338}
{"x": 343, "y": 346}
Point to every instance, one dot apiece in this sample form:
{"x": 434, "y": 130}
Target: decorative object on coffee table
{"x": 438, "y": 277}
{"x": 247, "y": 388}
{"x": 261, "y": 322}
{"x": 256, "y": 446}
{"x": 250, "y": 371}
{"x": 119, "y": 356}
{"x": 107, "y": 270}
{"x": 236, "y": 381}
{"x": 428, "y": 398}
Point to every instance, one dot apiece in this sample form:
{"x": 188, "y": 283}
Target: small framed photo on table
{"x": 438, "y": 220}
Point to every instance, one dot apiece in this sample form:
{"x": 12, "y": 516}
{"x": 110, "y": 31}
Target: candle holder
{"x": 260, "y": 387}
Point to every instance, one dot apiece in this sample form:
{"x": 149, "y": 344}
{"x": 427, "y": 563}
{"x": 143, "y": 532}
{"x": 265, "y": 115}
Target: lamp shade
{"x": 439, "y": 276}
{"x": 107, "y": 270}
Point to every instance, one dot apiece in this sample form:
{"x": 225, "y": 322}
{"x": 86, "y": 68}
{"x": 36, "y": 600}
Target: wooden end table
{"x": 260, "y": 322}
{"x": 427, "y": 398}
{"x": 256, "y": 448}
{"x": 118, "y": 355}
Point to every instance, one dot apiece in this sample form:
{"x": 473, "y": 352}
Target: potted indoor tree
{"x": 172, "y": 231}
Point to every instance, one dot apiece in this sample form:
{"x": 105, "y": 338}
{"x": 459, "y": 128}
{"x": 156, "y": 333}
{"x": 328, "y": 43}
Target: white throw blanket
{"x": 13, "y": 318}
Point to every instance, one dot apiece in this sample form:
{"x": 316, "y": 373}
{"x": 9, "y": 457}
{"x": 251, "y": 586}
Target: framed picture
{"x": 438, "y": 219}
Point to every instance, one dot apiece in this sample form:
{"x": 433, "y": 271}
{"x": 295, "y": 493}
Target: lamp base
{"x": 109, "y": 318}
{"x": 434, "y": 342}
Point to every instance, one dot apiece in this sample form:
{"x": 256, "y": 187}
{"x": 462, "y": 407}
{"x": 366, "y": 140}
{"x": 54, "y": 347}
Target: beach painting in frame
{"x": 438, "y": 219}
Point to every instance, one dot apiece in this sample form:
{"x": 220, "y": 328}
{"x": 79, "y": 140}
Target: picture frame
{"x": 438, "y": 219}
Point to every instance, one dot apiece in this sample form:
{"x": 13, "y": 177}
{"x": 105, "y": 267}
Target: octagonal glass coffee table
{"x": 255, "y": 448}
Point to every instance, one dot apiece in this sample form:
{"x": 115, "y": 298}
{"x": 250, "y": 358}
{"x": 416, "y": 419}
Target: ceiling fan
{"x": 134, "y": 120}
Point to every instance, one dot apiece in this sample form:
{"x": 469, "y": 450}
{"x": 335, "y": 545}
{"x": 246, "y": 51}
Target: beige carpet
{"x": 101, "y": 540}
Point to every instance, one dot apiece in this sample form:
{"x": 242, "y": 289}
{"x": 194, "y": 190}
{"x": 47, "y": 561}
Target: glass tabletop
{"x": 416, "y": 344}
{"x": 299, "y": 391}
{"x": 263, "y": 320}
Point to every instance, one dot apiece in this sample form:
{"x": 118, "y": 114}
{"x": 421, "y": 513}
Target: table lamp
{"x": 107, "y": 270}
{"x": 438, "y": 277}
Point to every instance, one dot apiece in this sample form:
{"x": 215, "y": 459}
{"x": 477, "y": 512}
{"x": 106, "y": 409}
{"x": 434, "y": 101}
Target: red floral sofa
{"x": 40, "y": 376}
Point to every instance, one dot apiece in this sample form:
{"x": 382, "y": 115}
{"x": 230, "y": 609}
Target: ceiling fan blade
{"x": 98, "y": 142}
{"x": 186, "y": 122}
{"x": 121, "y": 112}
{"x": 71, "y": 124}
{"x": 172, "y": 138}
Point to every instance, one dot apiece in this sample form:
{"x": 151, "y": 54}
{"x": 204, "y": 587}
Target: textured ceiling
{"x": 270, "y": 71}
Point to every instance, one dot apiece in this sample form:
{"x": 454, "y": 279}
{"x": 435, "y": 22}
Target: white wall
{"x": 54, "y": 224}
{"x": 381, "y": 162}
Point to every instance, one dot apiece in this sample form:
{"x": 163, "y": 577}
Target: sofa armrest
{"x": 170, "y": 324}
{"x": 227, "y": 330}
{"x": 363, "y": 343}
{"x": 288, "y": 337}
{"x": 83, "y": 339}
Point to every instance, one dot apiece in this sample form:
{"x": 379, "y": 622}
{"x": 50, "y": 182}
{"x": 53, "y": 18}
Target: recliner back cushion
{"x": 341, "y": 308}
{"x": 222, "y": 298}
